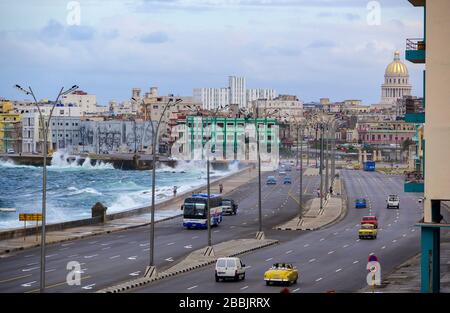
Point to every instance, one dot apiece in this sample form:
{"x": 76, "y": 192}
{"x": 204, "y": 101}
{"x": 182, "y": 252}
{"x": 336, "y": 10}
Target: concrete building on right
{"x": 434, "y": 51}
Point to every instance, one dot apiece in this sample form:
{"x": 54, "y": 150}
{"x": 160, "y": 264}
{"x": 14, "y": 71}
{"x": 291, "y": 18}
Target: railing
{"x": 414, "y": 177}
{"x": 414, "y": 106}
{"x": 415, "y": 44}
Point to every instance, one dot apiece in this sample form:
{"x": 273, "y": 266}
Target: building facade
{"x": 238, "y": 91}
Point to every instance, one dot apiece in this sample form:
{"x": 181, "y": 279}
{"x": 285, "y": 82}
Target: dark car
{"x": 271, "y": 180}
{"x": 360, "y": 203}
{"x": 229, "y": 206}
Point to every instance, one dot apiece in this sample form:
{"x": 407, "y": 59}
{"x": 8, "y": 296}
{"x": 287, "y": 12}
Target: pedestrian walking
{"x": 220, "y": 188}
{"x": 331, "y": 190}
{"x": 318, "y": 192}
{"x": 174, "y": 191}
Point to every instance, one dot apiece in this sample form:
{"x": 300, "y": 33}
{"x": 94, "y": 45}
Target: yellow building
{"x": 10, "y": 132}
{"x": 6, "y": 106}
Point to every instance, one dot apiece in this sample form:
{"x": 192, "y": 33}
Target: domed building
{"x": 396, "y": 81}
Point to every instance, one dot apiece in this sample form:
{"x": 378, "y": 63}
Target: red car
{"x": 370, "y": 219}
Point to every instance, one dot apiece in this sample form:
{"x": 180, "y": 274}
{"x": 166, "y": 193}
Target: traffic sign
{"x": 30, "y": 217}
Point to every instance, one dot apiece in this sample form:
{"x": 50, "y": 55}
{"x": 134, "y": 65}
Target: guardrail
{"x": 415, "y": 44}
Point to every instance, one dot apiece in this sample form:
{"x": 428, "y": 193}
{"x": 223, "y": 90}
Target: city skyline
{"x": 295, "y": 47}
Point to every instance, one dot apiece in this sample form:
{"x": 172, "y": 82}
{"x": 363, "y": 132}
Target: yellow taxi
{"x": 281, "y": 273}
{"x": 367, "y": 231}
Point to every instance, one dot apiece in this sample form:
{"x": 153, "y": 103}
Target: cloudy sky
{"x": 311, "y": 48}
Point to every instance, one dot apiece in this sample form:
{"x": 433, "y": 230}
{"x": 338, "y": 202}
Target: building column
{"x": 430, "y": 259}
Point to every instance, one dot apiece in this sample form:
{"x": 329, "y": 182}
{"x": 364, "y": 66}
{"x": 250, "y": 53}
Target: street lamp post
{"x": 301, "y": 175}
{"x": 45, "y": 129}
{"x": 321, "y": 165}
{"x": 327, "y": 159}
{"x": 151, "y": 268}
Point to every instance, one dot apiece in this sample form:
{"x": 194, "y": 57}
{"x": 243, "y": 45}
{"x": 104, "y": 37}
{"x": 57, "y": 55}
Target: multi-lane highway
{"x": 329, "y": 259}
{"x": 112, "y": 258}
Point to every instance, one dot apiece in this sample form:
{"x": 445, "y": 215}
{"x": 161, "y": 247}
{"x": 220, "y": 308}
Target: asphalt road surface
{"x": 332, "y": 258}
{"x": 113, "y": 258}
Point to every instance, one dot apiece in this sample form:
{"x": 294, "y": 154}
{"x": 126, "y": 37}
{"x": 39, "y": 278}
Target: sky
{"x": 311, "y": 48}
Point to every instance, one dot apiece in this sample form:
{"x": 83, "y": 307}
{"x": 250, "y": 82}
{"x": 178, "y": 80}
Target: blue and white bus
{"x": 195, "y": 214}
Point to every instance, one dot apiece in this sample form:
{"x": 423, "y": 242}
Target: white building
{"x": 212, "y": 98}
{"x": 238, "y": 91}
{"x": 32, "y": 137}
{"x": 260, "y": 93}
{"x": 396, "y": 82}
{"x": 86, "y": 102}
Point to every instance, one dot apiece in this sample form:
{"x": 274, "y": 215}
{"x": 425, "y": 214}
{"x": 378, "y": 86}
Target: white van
{"x": 393, "y": 201}
{"x": 230, "y": 268}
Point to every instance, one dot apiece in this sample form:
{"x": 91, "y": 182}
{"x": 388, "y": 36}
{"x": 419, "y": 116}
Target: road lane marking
{"x": 312, "y": 260}
{"x": 338, "y": 270}
{"x": 146, "y": 249}
{"x": 113, "y": 257}
{"x": 307, "y": 245}
{"x": 335, "y": 233}
{"x": 357, "y": 240}
{"x": 188, "y": 247}
{"x": 170, "y": 243}
{"x": 383, "y": 247}
{"x": 267, "y": 260}
{"x": 404, "y": 235}
{"x": 332, "y": 251}
{"x": 88, "y": 287}
{"x": 245, "y": 223}
{"x": 296, "y": 289}
{"x": 395, "y": 240}
{"x": 135, "y": 273}
{"x": 67, "y": 244}
{"x": 287, "y": 252}
{"x": 169, "y": 259}
{"x": 195, "y": 237}
{"x": 106, "y": 248}
{"x": 144, "y": 244}
{"x": 93, "y": 242}
{"x": 192, "y": 287}
{"x": 354, "y": 262}
{"x": 72, "y": 256}
{"x": 31, "y": 264}
{"x": 62, "y": 249}
{"x": 50, "y": 255}
{"x": 345, "y": 246}
{"x": 14, "y": 278}
{"x": 319, "y": 279}
{"x": 56, "y": 285}
{"x": 132, "y": 257}
{"x": 28, "y": 284}
{"x": 245, "y": 287}
{"x": 322, "y": 239}
{"x": 30, "y": 269}
{"x": 216, "y": 231}
{"x": 90, "y": 256}
{"x": 51, "y": 270}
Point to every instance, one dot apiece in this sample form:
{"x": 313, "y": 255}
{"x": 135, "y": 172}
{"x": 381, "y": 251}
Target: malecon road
{"x": 330, "y": 259}
{"x": 113, "y": 258}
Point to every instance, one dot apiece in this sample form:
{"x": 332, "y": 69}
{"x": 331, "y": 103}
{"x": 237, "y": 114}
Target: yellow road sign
{"x": 30, "y": 217}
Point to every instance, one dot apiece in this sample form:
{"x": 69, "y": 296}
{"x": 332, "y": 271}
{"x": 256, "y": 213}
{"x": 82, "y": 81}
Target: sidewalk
{"x": 196, "y": 260}
{"x": 167, "y": 211}
{"x": 314, "y": 217}
{"x": 406, "y": 277}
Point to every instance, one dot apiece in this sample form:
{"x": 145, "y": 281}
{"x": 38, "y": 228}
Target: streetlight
{"x": 45, "y": 128}
{"x": 260, "y": 233}
{"x": 151, "y": 268}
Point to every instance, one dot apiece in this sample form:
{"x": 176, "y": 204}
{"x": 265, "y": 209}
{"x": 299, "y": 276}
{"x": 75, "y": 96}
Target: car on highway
{"x": 282, "y": 173}
{"x": 10, "y": 151}
{"x": 393, "y": 201}
{"x": 360, "y": 203}
{"x": 229, "y": 206}
{"x": 367, "y": 231}
{"x": 370, "y": 219}
{"x": 281, "y": 273}
{"x": 287, "y": 180}
{"x": 288, "y": 168}
{"x": 271, "y": 180}
{"x": 229, "y": 268}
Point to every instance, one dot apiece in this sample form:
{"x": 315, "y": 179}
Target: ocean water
{"x": 72, "y": 189}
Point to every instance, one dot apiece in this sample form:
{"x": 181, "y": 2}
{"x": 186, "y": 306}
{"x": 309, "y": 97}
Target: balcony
{"x": 415, "y": 50}
{"x": 413, "y": 182}
{"x": 415, "y": 111}
{"x": 417, "y": 3}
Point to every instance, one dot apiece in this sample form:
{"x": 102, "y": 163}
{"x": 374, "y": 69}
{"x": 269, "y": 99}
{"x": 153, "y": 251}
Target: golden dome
{"x": 396, "y": 67}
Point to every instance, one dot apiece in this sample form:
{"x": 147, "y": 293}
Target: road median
{"x": 196, "y": 260}
{"x": 315, "y": 217}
